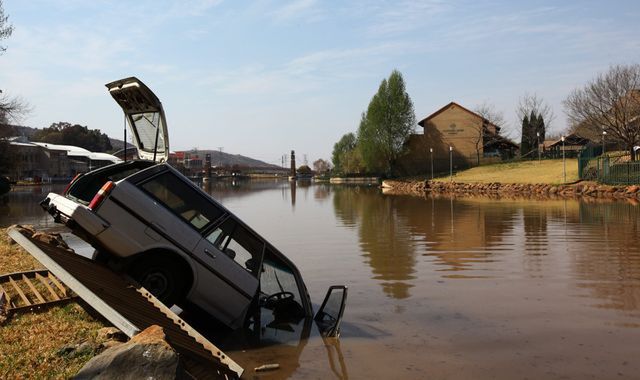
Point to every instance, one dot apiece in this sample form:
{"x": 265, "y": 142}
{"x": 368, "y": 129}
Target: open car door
{"x": 329, "y": 316}
{"x": 145, "y": 117}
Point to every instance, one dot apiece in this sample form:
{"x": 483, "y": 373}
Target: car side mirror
{"x": 329, "y": 315}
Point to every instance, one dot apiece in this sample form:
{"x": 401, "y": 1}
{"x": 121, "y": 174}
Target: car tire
{"x": 162, "y": 277}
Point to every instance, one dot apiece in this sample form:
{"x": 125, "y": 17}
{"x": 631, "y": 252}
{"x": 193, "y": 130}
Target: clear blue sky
{"x": 260, "y": 78}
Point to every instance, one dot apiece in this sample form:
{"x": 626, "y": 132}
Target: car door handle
{"x": 208, "y": 253}
{"x": 157, "y": 226}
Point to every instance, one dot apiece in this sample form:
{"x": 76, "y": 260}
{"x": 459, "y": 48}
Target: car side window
{"x": 238, "y": 243}
{"x": 185, "y": 201}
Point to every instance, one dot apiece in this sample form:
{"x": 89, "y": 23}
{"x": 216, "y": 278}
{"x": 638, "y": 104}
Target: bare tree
{"x": 489, "y": 112}
{"x": 321, "y": 166}
{"x": 611, "y": 103}
{"x": 5, "y": 28}
{"x": 486, "y": 131}
{"x": 12, "y": 109}
{"x": 532, "y": 103}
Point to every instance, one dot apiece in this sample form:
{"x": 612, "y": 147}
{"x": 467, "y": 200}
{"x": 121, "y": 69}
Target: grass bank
{"x": 545, "y": 171}
{"x": 32, "y": 345}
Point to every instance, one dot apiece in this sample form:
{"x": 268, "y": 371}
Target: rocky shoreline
{"x": 589, "y": 190}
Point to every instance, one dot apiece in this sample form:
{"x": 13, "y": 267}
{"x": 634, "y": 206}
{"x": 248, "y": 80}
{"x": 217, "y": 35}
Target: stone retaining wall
{"x": 582, "y": 189}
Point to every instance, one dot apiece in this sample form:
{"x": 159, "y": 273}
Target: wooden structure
{"x": 31, "y": 290}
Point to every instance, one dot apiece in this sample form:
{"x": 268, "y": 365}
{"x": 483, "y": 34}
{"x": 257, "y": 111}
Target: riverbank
{"x": 535, "y": 190}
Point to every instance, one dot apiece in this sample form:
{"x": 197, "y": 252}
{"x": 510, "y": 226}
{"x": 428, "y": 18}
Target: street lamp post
{"x": 450, "y": 163}
{"x": 431, "y": 151}
{"x": 564, "y": 163}
{"x": 604, "y": 134}
{"x": 538, "y": 146}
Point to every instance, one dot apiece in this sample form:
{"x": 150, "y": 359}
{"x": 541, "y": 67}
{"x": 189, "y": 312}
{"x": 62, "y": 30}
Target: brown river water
{"x": 438, "y": 287}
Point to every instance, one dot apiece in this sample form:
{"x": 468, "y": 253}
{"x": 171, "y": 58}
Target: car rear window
{"x": 84, "y": 189}
{"x": 183, "y": 200}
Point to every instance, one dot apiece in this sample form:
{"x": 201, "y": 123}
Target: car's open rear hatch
{"x": 145, "y": 116}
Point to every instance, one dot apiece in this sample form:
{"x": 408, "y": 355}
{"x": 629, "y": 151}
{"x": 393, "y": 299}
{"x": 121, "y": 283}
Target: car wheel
{"x": 162, "y": 278}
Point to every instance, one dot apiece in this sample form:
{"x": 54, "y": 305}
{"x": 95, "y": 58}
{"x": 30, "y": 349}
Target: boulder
{"x": 146, "y": 356}
{"x": 53, "y": 239}
{"x": 26, "y": 230}
{"x": 111, "y": 333}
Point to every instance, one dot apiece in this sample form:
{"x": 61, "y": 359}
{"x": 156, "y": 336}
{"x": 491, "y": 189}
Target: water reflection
{"x": 387, "y": 244}
{"x": 610, "y": 270}
{"x": 21, "y": 206}
{"x": 477, "y": 238}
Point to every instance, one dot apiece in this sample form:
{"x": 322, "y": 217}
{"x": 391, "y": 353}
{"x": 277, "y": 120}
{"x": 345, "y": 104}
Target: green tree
{"x": 342, "y": 151}
{"x": 304, "y": 169}
{"x": 386, "y": 125}
{"x": 74, "y": 134}
{"x": 533, "y": 133}
{"x": 535, "y": 115}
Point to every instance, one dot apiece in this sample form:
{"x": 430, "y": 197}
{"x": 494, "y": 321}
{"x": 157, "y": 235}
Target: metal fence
{"x": 615, "y": 169}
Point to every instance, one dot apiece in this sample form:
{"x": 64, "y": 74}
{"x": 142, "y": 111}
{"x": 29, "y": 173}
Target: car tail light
{"x": 101, "y": 195}
{"x": 66, "y": 189}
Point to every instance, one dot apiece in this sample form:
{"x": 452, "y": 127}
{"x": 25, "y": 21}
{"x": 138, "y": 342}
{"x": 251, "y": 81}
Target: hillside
{"x": 226, "y": 159}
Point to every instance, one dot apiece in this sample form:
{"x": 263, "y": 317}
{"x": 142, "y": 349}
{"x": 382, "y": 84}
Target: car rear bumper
{"x": 73, "y": 214}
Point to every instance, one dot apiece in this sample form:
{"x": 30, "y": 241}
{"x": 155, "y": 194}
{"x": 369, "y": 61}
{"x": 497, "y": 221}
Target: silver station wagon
{"x": 147, "y": 220}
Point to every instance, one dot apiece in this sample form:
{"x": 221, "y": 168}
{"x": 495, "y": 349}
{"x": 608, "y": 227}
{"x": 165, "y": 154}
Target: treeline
{"x": 65, "y": 133}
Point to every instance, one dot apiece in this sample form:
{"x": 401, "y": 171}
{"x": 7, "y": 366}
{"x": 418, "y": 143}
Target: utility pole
{"x": 564, "y": 163}
{"x": 450, "y": 164}
{"x": 431, "y": 151}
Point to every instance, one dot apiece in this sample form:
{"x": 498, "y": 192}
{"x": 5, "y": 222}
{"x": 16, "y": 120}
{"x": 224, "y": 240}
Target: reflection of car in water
{"x": 151, "y": 222}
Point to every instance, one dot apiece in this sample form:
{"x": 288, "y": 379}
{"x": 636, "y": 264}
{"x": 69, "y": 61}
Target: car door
{"x": 223, "y": 287}
{"x": 235, "y": 253}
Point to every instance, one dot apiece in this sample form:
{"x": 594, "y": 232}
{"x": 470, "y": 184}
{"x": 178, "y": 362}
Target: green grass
{"x": 30, "y": 342}
{"x": 545, "y": 171}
